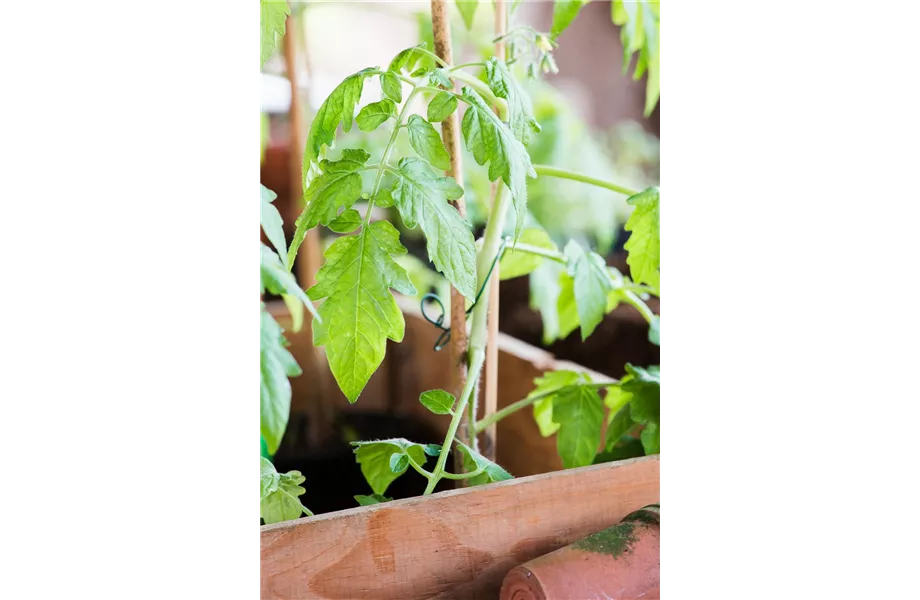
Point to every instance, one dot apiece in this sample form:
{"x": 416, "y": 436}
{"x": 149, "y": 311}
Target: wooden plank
{"x": 459, "y": 543}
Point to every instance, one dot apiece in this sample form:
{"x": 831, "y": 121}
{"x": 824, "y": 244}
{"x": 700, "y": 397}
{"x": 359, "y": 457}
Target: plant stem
{"x": 439, "y": 60}
{"x": 513, "y": 408}
{"x": 564, "y": 174}
{"x": 484, "y": 91}
{"x": 419, "y": 468}
{"x": 382, "y": 166}
{"x": 538, "y": 251}
{"x": 461, "y": 476}
{"x": 478, "y": 356}
{"x": 637, "y": 303}
{"x": 466, "y": 65}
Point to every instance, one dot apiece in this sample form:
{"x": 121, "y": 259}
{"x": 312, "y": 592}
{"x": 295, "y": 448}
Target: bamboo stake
{"x": 450, "y": 129}
{"x": 321, "y": 417}
{"x": 490, "y": 403}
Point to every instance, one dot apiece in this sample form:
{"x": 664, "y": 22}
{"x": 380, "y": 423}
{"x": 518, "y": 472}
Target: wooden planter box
{"x": 458, "y": 544}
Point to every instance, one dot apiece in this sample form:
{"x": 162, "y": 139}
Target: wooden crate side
{"x": 455, "y": 544}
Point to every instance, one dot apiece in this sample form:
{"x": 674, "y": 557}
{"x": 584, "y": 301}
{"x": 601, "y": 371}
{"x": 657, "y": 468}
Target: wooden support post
{"x": 490, "y": 403}
{"x": 450, "y": 130}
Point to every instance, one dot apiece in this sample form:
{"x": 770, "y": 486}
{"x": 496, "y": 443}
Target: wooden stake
{"x": 490, "y": 404}
{"x": 321, "y": 415}
{"x": 450, "y": 130}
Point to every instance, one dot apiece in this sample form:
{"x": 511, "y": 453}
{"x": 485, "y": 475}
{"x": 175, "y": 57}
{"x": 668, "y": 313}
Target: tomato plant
{"x": 357, "y": 312}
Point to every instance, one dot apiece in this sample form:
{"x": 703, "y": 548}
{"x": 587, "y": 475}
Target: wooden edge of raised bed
{"x": 454, "y": 544}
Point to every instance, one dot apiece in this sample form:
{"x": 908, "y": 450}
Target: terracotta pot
{"x": 615, "y": 564}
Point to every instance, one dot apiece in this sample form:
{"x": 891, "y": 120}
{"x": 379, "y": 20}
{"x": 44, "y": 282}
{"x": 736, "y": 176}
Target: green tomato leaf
{"x": 467, "y": 10}
{"x": 422, "y": 195}
{"x": 441, "y": 106}
{"x": 295, "y": 307}
{"x": 650, "y": 438}
{"x": 564, "y": 12}
{"x": 645, "y": 387}
{"x": 426, "y": 141}
{"x": 274, "y": 14}
{"x": 440, "y": 77}
{"x": 490, "y": 140}
{"x": 372, "y": 499}
{"x": 346, "y": 222}
{"x": 591, "y": 286}
{"x": 374, "y": 114}
{"x": 437, "y": 401}
{"x": 337, "y": 186}
{"x": 281, "y": 493}
{"x": 375, "y": 460}
{"x": 516, "y": 263}
{"x": 391, "y": 86}
{"x": 639, "y": 32}
{"x": 399, "y": 463}
{"x": 548, "y": 383}
{"x": 278, "y": 280}
{"x": 407, "y": 59}
{"x": 629, "y": 447}
{"x": 359, "y": 312}
{"x": 520, "y": 110}
{"x": 620, "y": 423}
{"x": 433, "y": 449}
{"x": 644, "y": 243}
{"x": 272, "y": 224}
{"x": 473, "y": 461}
{"x": 544, "y": 295}
{"x": 277, "y": 364}
{"x": 566, "y": 307}
{"x": 579, "y": 412}
{"x": 338, "y": 108}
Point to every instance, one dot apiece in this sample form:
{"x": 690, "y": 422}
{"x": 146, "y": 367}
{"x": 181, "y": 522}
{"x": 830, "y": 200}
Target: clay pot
{"x": 615, "y": 564}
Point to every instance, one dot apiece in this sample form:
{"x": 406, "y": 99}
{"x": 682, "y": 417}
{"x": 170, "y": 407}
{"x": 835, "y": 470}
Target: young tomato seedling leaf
{"x": 644, "y": 243}
{"x": 278, "y": 280}
{"x": 359, "y": 312}
{"x": 338, "y": 186}
{"x": 591, "y": 286}
{"x": 273, "y": 16}
{"x": 272, "y": 224}
{"x": 516, "y": 263}
{"x": 374, "y": 114}
{"x": 280, "y": 494}
{"x": 277, "y": 365}
{"x": 426, "y": 141}
{"x": 490, "y": 140}
{"x": 441, "y": 106}
{"x": 437, "y": 401}
{"x": 371, "y": 499}
{"x": 473, "y": 461}
{"x": 376, "y": 458}
{"x": 573, "y": 411}
{"x": 520, "y": 110}
{"x": 422, "y": 195}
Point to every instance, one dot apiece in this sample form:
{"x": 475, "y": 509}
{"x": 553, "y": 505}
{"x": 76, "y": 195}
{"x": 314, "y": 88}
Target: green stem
{"x": 419, "y": 468}
{"x": 478, "y": 357}
{"x": 439, "y": 60}
{"x": 469, "y": 475}
{"x": 483, "y": 89}
{"x": 637, "y": 303}
{"x": 306, "y": 510}
{"x": 538, "y": 251}
{"x": 564, "y": 174}
{"x": 466, "y": 65}
{"x": 497, "y": 416}
{"x": 382, "y": 166}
